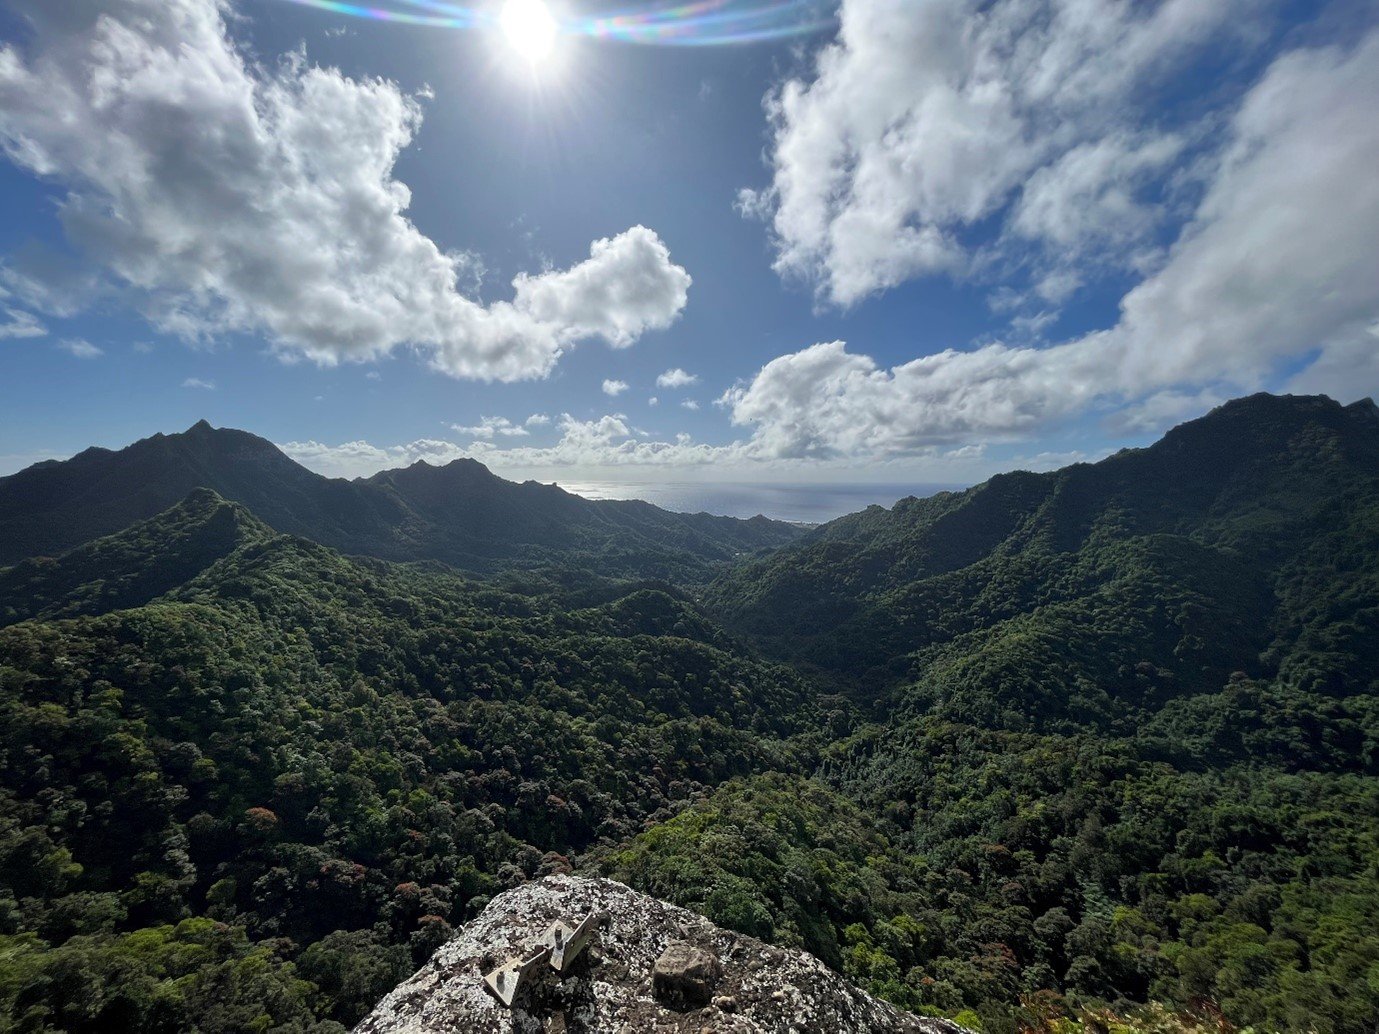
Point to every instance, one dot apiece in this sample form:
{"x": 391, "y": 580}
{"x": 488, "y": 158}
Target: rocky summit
{"x": 650, "y": 967}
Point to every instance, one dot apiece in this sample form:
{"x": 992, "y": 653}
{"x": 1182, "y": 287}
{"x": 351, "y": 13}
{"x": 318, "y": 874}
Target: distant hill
{"x": 1157, "y": 571}
{"x": 132, "y": 567}
{"x": 461, "y": 513}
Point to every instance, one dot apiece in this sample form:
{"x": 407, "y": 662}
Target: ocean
{"x": 807, "y": 504}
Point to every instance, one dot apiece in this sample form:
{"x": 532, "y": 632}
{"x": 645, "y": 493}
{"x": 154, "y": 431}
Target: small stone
{"x": 684, "y": 976}
{"x": 725, "y": 1003}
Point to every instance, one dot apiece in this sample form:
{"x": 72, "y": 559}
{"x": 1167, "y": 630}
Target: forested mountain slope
{"x": 460, "y": 513}
{"x": 1124, "y": 746}
{"x": 1233, "y": 544}
{"x": 133, "y": 566}
{"x": 261, "y": 799}
{"x": 1069, "y": 752}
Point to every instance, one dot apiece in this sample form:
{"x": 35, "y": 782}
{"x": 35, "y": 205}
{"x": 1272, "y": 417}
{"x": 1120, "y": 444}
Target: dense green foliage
{"x": 951, "y": 870}
{"x": 262, "y": 799}
{"x": 126, "y": 570}
{"x": 459, "y": 514}
{"x": 1233, "y": 544}
{"x": 1129, "y": 727}
{"x": 1059, "y": 744}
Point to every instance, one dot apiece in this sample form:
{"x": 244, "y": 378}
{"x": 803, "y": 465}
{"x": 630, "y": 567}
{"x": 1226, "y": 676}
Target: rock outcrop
{"x": 685, "y": 976}
{"x": 652, "y": 967}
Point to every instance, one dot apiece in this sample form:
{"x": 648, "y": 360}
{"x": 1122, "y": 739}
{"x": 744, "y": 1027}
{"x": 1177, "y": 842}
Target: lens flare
{"x": 529, "y": 28}
{"x": 707, "y": 23}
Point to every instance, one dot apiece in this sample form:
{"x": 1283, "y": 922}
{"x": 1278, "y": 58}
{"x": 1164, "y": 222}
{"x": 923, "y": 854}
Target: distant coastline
{"x": 800, "y": 503}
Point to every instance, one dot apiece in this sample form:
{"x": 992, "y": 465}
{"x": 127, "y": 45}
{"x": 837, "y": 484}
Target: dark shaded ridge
{"x": 460, "y": 514}
{"x": 1195, "y": 543}
{"x": 132, "y": 567}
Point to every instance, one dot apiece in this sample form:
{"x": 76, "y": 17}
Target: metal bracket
{"x": 505, "y": 981}
{"x": 560, "y": 946}
{"x": 566, "y": 944}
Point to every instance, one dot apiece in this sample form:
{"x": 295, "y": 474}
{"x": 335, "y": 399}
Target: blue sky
{"x": 933, "y": 240}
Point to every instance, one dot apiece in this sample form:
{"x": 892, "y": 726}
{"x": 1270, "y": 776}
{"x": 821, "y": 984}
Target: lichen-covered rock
{"x": 608, "y": 989}
{"x": 684, "y": 976}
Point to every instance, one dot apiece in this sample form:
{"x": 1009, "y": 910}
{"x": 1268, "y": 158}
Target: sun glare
{"x": 530, "y": 28}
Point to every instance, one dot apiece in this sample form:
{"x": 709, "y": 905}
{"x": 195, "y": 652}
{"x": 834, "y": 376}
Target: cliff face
{"x": 650, "y": 967}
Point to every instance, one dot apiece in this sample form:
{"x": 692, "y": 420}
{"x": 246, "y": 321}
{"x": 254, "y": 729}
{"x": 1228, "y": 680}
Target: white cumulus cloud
{"x": 360, "y": 459}
{"x": 922, "y": 120}
{"x": 627, "y": 286}
{"x": 608, "y": 446}
{"x": 614, "y": 388}
{"x": 1275, "y": 267}
{"x": 606, "y": 441}
{"x": 227, "y": 194}
{"x": 676, "y": 378}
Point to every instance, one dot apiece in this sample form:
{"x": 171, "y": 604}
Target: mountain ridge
{"x": 1246, "y": 480}
{"x": 132, "y": 566}
{"x": 460, "y": 513}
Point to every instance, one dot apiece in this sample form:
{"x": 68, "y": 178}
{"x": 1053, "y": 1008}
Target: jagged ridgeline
{"x": 1089, "y": 747}
{"x": 460, "y": 514}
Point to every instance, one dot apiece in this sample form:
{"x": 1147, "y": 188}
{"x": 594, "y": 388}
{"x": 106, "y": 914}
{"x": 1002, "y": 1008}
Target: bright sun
{"x": 529, "y": 28}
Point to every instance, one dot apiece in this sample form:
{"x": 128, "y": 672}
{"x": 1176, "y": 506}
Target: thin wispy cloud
{"x": 80, "y": 347}
{"x": 19, "y": 324}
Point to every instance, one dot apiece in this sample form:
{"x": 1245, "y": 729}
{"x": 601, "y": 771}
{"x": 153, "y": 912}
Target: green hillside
{"x": 1080, "y": 751}
{"x": 1244, "y": 541}
{"x": 132, "y": 567}
{"x": 1124, "y": 742}
{"x": 267, "y": 795}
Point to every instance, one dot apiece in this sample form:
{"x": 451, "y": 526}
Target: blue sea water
{"x": 809, "y": 504}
